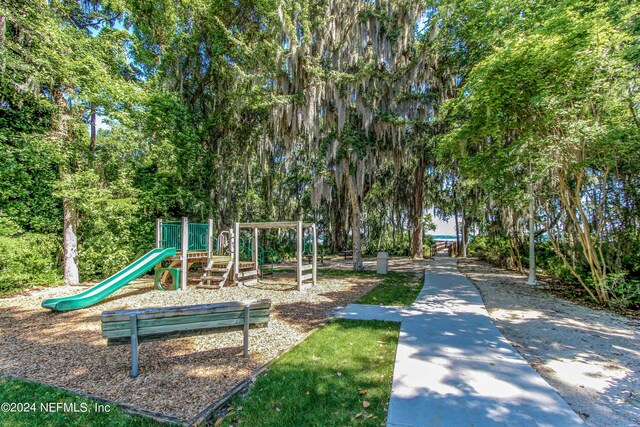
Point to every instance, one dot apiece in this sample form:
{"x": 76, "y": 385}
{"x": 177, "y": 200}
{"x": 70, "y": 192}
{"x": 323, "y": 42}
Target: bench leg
{"x": 134, "y": 345}
{"x": 245, "y": 336}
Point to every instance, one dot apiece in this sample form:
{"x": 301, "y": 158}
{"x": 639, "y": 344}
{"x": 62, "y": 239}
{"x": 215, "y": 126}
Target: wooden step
{"x": 248, "y": 282}
{"x": 307, "y": 277}
{"x": 205, "y": 279}
{"x": 216, "y": 269}
{"x": 307, "y": 267}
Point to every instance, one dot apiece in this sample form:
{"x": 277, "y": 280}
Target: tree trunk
{"x": 417, "y": 250}
{"x": 3, "y": 30}
{"x": 355, "y": 226}
{"x": 69, "y": 211}
{"x": 465, "y": 235}
{"x": 70, "y": 242}
{"x": 93, "y": 132}
{"x": 336, "y": 232}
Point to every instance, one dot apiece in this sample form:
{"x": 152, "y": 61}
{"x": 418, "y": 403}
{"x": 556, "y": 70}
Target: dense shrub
{"x": 27, "y": 258}
{"x": 115, "y": 235}
{"x": 493, "y": 250}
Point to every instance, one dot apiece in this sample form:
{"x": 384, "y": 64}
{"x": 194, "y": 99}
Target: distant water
{"x": 445, "y": 237}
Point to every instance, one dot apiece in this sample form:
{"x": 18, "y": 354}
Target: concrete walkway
{"x": 454, "y": 368}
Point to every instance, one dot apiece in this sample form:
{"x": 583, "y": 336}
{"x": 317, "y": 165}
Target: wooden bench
{"x": 319, "y": 257}
{"x": 121, "y": 327}
{"x": 347, "y": 254}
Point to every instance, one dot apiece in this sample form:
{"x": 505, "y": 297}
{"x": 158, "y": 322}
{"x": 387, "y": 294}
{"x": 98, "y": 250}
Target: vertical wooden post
{"x": 236, "y": 251}
{"x": 158, "y": 238}
{"x": 133, "y": 320}
{"x": 255, "y": 250}
{"x": 299, "y": 257}
{"x": 314, "y": 258}
{"x": 185, "y": 249}
{"x": 245, "y": 336}
{"x": 158, "y": 232}
{"x": 210, "y": 239}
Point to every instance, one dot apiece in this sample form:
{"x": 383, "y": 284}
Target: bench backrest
{"x": 166, "y": 322}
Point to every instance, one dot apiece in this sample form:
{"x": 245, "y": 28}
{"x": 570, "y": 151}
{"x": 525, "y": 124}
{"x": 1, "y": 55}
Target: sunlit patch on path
{"x": 453, "y": 367}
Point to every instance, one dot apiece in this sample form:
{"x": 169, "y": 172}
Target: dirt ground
{"x": 591, "y": 357}
{"x": 178, "y": 377}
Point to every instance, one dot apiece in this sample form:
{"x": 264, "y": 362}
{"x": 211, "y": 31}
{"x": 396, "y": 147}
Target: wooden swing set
{"x": 222, "y": 259}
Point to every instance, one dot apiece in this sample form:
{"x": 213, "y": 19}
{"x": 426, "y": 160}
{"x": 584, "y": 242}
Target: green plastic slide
{"x": 105, "y": 288}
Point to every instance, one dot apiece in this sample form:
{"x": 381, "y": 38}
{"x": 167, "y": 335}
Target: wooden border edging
{"x": 207, "y": 413}
{"x": 129, "y": 409}
{"x": 202, "y": 416}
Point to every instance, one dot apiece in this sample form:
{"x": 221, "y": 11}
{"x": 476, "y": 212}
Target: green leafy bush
{"x": 114, "y": 235}
{"x": 27, "y": 258}
{"x": 493, "y": 250}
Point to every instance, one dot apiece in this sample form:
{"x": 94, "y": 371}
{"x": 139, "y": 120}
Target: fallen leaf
{"x": 362, "y": 392}
{"x": 339, "y": 374}
{"x": 359, "y": 415}
{"x": 277, "y": 409}
{"x": 366, "y": 404}
{"x": 219, "y": 421}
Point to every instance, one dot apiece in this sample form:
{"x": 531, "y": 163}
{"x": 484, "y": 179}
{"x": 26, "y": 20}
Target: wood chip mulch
{"x": 179, "y": 377}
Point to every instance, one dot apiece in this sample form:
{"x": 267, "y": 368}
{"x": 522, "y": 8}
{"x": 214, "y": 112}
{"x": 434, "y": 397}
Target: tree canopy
{"x": 370, "y": 118}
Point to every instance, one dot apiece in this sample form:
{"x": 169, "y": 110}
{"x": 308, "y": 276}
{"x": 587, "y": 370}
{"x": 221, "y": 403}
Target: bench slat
{"x": 166, "y": 329}
{"x": 187, "y": 310}
{"x": 184, "y": 334}
{"x": 125, "y": 325}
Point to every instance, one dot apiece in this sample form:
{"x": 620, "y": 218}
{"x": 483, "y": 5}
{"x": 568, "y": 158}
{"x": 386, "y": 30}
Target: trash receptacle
{"x": 383, "y": 263}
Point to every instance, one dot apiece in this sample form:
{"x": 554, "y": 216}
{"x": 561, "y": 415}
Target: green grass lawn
{"x": 340, "y": 376}
{"x": 38, "y": 405}
{"x": 396, "y": 289}
{"x": 335, "y": 272}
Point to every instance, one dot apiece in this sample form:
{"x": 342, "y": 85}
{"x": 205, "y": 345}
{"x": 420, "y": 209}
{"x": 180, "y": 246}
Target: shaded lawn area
{"x": 44, "y": 407}
{"x": 341, "y": 375}
{"x": 399, "y": 289}
{"x": 335, "y": 272}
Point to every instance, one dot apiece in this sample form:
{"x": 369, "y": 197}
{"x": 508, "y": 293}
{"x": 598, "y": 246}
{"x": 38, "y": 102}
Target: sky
{"x": 444, "y": 227}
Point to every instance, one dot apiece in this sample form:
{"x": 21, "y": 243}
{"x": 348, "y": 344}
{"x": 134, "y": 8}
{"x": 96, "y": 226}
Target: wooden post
{"x": 314, "y": 270}
{"x": 185, "y": 249}
{"x": 158, "y": 237}
{"x": 255, "y": 249}
{"x": 299, "y": 257}
{"x": 236, "y": 251}
{"x": 158, "y": 232}
{"x": 133, "y": 320}
{"x": 210, "y": 239}
{"x": 245, "y": 336}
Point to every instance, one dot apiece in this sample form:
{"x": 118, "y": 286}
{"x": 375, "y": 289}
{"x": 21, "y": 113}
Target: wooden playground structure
{"x": 224, "y": 260}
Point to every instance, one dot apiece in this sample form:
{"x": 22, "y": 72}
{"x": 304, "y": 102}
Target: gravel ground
{"x": 178, "y": 377}
{"x": 591, "y": 357}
